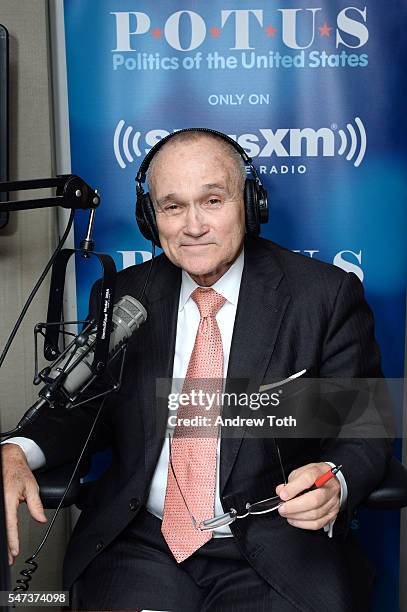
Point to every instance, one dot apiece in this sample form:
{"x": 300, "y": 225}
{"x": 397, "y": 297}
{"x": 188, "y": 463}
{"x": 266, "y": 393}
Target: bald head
{"x": 180, "y": 144}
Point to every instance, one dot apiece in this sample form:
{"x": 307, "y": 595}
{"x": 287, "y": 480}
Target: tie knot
{"x": 208, "y": 301}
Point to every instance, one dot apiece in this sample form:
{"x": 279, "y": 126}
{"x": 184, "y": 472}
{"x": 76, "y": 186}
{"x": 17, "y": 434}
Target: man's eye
{"x": 213, "y": 202}
{"x": 171, "y": 208}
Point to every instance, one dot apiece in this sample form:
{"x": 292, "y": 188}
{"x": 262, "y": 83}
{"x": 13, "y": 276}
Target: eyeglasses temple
{"x": 279, "y": 459}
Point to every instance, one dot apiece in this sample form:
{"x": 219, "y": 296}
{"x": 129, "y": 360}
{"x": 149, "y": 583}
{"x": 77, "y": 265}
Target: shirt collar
{"x": 228, "y": 285}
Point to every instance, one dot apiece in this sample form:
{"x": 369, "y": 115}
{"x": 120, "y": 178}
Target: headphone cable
{"x": 150, "y": 267}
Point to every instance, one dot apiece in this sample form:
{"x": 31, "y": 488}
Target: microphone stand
{"x": 71, "y": 192}
{"x": 74, "y": 193}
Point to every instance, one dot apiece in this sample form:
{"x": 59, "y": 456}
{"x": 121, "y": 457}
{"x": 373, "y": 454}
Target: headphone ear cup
{"x": 251, "y": 208}
{"x": 145, "y": 217}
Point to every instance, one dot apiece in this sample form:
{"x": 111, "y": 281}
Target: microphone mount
{"x": 71, "y": 192}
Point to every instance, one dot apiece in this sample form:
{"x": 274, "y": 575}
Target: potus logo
{"x": 297, "y": 28}
{"x": 349, "y": 142}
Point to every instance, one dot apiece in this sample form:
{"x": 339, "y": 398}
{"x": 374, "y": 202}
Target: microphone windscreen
{"x": 129, "y": 314}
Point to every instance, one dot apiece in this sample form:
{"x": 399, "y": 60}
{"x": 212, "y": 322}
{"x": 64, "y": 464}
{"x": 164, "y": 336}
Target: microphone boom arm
{"x": 71, "y": 192}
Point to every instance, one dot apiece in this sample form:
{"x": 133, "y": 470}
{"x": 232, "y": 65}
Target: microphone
{"x": 73, "y": 369}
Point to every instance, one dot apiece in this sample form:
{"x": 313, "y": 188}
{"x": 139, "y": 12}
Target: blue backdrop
{"x": 315, "y": 94}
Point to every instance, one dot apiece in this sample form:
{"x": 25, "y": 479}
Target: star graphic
{"x": 271, "y": 31}
{"x": 156, "y": 33}
{"x": 325, "y": 30}
{"x": 216, "y": 32}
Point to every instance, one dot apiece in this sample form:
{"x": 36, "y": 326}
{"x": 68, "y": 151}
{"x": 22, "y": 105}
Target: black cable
{"x": 23, "y": 583}
{"x": 150, "y": 267}
{"x": 36, "y": 287}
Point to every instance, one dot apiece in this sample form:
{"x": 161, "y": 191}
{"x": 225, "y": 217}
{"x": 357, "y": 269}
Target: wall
{"x": 26, "y": 245}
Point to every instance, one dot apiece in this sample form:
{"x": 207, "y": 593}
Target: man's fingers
{"x": 291, "y": 478}
{"x": 313, "y": 513}
{"x": 313, "y": 525}
{"x": 279, "y": 488}
{"x": 34, "y": 504}
{"x": 303, "y": 478}
{"x": 12, "y": 526}
{"x": 300, "y": 470}
{"x": 36, "y": 510}
{"x": 307, "y": 501}
{"x": 10, "y": 558}
{"x": 19, "y": 486}
{"x": 299, "y": 483}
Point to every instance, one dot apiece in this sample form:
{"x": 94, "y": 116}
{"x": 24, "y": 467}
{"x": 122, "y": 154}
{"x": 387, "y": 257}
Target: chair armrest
{"x": 53, "y": 483}
{"x": 391, "y": 494}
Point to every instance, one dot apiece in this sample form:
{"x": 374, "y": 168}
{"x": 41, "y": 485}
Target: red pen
{"x": 321, "y": 480}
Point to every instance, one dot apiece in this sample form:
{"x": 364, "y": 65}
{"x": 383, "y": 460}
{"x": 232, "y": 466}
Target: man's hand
{"x": 314, "y": 509}
{"x": 19, "y": 486}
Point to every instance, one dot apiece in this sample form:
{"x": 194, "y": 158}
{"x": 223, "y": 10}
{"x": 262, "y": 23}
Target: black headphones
{"x": 255, "y": 196}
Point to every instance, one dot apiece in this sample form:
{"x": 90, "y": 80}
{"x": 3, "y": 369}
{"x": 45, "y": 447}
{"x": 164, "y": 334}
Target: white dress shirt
{"x": 187, "y": 325}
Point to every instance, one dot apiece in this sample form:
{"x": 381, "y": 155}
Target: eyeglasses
{"x": 261, "y": 507}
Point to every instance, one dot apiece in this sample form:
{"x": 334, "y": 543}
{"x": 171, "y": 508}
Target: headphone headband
{"x": 141, "y": 174}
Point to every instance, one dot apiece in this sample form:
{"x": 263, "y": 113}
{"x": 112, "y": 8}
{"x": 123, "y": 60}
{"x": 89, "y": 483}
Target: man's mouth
{"x": 196, "y": 245}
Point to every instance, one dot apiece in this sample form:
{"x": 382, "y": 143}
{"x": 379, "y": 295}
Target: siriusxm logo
{"x": 187, "y": 30}
{"x": 350, "y": 142}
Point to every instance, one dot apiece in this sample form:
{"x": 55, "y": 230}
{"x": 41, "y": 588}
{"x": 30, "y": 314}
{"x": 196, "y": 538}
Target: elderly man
{"x": 221, "y": 303}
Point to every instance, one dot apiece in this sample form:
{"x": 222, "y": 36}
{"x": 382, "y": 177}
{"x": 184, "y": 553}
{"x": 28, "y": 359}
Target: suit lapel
{"x": 263, "y": 299}
{"x": 162, "y": 307}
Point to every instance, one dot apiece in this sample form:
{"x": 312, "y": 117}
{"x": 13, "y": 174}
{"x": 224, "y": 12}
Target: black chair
{"x": 391, "y": 494}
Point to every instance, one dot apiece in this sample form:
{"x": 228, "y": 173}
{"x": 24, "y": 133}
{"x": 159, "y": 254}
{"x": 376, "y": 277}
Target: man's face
{"x": 199, "y": 208}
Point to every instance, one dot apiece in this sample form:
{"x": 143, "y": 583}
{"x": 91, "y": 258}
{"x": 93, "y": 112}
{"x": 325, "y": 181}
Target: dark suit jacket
{"x": 293, "y": 313}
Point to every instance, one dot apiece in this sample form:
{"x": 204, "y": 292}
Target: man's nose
{"x": 195, "y": 222}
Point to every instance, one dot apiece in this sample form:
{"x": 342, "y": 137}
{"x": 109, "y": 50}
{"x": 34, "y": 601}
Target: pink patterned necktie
{"x": 193, "y": 449}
